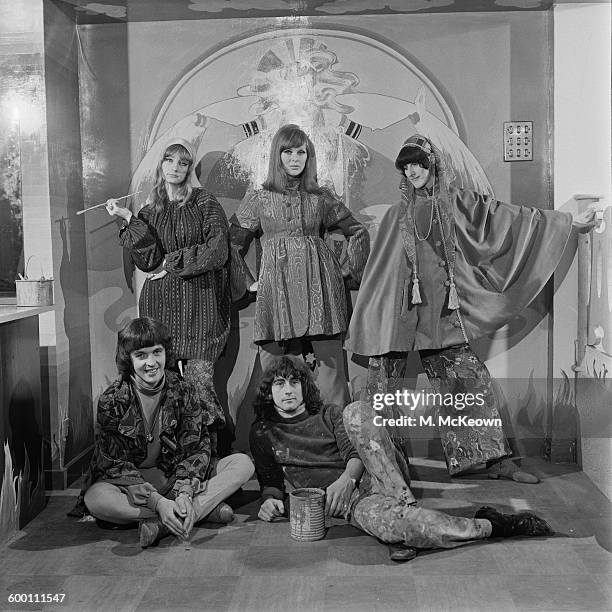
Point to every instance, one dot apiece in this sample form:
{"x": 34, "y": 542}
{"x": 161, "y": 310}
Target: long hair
{"x": 286, "y": 367}
{"x": 290, "y": 136}
{"x": 137, "y": 334}
{"x": 158, "y": 197}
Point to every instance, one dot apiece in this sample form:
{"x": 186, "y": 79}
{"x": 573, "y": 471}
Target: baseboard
{"x": 62, "y": 478}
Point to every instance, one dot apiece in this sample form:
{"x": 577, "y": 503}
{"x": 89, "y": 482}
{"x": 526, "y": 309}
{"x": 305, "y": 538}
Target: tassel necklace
{"x": 453, "y": 298}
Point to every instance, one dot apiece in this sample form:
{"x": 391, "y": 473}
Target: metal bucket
{"x": 34, "y": 292}
{"x": 307, "y": 514}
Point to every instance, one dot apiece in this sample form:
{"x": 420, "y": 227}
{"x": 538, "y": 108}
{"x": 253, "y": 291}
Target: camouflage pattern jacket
{"x": 121, "y": 444}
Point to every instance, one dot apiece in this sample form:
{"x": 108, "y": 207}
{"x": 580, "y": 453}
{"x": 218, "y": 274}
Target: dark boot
{"x": 151, "y": 531}
{"x": 511, "y": 525}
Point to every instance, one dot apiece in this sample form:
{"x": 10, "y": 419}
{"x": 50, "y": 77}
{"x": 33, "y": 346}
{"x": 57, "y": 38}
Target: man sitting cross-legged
{"x": 152, "y": 458}
{"x": 298, "y": 439}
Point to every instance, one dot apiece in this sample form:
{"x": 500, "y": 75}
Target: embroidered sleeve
{"x": 338, "y": 216}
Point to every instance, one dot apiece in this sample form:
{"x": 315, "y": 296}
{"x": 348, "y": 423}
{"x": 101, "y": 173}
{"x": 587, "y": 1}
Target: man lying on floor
{"x": 298, "y": 439}
{"x": 153, "y": 460}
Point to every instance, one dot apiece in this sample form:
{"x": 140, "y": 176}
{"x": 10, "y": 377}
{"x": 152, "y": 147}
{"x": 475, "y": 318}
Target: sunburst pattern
{"x": 297, "y": 82}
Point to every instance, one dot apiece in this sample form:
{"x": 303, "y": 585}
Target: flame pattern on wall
{"x": 20, "y": 498}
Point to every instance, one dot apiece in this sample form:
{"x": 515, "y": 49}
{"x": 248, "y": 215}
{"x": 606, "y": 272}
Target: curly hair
{"x": 288, "y": 368}
{"x": 137, "y": 334}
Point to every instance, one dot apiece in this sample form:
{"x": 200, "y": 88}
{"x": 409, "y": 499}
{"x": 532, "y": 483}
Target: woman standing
{"x": 300, "y": 292}
{"x": 449, "y": 266}
{"x": 181, "y": 238}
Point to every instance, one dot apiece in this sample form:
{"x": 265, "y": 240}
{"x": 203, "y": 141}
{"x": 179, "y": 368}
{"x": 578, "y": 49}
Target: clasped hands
{"x": 177, "y": 515}
{"x": 337, "y": 498}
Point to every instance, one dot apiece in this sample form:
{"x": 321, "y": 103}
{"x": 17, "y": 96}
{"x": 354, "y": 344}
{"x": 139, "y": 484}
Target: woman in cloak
{"x": 449, "y": 266}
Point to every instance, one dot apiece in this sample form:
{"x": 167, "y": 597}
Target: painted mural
{"x": 294, "y": 77}
{"x": 319, "y": 79}
{"x": 358, "y": 91}
{"x": 335, "y": 84}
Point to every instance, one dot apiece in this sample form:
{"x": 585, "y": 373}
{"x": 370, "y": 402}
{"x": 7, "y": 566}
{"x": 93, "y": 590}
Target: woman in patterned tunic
{"x": 181, "y": 238}
{"x": 301, "y": 292}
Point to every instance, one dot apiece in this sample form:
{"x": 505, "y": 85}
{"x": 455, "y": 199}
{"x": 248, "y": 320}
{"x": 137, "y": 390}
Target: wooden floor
{"x": 252, "y": 566}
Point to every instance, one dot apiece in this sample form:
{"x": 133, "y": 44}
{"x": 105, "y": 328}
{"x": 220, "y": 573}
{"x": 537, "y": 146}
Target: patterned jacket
{"x": 121, "y": 445}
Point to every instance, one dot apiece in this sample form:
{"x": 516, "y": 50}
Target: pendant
{"x": 149, "y": 438}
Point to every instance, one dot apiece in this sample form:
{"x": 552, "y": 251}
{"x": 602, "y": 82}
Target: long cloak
{"x": 504, "y": 255}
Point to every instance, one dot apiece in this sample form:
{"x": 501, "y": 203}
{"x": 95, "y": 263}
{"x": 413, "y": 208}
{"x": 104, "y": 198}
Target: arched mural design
{"x": 335, "y": 84}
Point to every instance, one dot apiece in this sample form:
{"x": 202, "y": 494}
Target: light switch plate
{"x": 518, "y": 141}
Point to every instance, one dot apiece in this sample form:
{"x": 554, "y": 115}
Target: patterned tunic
{"x": 301, "y": 290}
{"x": 193, "y": 299}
